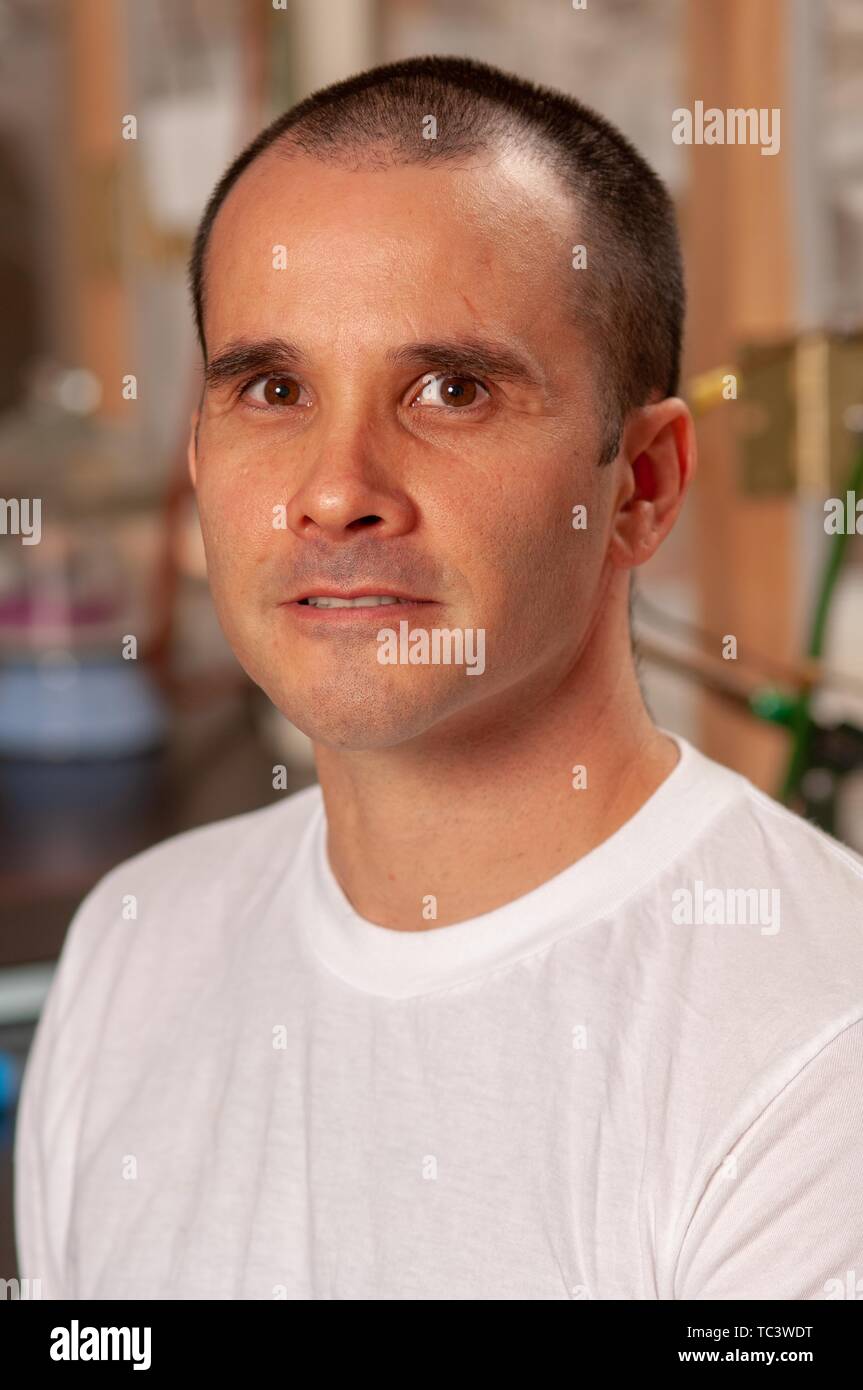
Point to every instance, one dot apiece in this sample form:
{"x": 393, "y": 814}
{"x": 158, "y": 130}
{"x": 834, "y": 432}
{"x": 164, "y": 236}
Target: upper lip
{"x": 364, "y": 591}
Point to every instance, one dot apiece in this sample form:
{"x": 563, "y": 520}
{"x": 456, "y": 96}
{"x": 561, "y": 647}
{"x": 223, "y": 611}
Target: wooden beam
{"x": 99, "y": 330}
{"x": 737, "y": 232}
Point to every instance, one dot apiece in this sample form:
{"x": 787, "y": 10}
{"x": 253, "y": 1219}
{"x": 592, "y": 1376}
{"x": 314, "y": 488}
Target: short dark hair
{"x": 633, "y": 295}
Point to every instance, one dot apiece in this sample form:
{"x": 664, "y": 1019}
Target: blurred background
{"x": 124, "y": 717}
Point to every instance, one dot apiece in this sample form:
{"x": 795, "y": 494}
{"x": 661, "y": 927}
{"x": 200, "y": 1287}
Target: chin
{"x": 356, "y": 730}
{"x": 358, "y": 716}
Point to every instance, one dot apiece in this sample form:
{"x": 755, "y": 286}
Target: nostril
{"x": 362, "y": 522}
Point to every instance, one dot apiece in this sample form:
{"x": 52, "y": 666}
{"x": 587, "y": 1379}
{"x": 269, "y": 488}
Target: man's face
{"x": 376, "y": 462}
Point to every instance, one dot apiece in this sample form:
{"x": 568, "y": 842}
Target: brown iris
{"x": 458, "y": 390}
{"x": 281, "y": 390}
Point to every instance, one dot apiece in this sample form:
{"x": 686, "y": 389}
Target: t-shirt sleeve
{"x": 37, "y": 1229}
{"x": 49, "y": 1110}
{"x": 783, "y": 1218}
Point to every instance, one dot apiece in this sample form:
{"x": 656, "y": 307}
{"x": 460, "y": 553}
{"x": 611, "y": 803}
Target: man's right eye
{"x": 266, "y": 391}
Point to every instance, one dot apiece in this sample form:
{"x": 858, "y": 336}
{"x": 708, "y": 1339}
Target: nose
{"x": 349, "y": 490}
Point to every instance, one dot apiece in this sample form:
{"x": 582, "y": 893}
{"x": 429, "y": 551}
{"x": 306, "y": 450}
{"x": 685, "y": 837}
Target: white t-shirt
{"x": 641, "y": 1080}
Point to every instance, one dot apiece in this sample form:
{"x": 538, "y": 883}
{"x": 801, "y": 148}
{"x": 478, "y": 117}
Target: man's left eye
{"x": 450, "y": 389}
{"x": 272, "y": 390}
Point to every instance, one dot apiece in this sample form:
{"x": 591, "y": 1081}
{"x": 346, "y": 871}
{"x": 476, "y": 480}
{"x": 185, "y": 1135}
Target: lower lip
{"x": 380, "y": 615}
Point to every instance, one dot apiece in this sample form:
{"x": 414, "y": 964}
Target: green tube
{"x": 801, "y": 723}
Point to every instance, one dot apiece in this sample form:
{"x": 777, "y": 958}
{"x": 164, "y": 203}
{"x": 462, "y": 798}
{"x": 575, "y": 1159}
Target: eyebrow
{"x": 244, "y": 357}
{"x": 477, "y": 356}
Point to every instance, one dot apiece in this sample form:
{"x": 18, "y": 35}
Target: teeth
{"x": 367, "y": 601}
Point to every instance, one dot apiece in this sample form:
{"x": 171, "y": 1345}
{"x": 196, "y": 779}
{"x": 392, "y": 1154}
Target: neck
{"x": 478, "y": 818}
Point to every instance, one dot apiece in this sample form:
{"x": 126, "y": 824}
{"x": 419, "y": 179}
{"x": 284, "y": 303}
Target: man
{"x": 529, "y": 999}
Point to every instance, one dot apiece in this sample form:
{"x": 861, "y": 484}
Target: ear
{"x": 656, "y": 462}
{"x": 192, "y": 448}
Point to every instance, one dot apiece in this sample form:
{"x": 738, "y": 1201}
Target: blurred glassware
{"x": 69, "y": 603}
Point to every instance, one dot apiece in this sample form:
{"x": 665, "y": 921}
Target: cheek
{"x": 538, "y": 536}
{"x": 236, "y": 523}
{"x": 561, "y": 566}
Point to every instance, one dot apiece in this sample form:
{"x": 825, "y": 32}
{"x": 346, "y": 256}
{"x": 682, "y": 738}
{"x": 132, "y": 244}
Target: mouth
{"x": 329, "y": 610}
{"x": 366, "y": 597}
{"x": 364, "y": 601}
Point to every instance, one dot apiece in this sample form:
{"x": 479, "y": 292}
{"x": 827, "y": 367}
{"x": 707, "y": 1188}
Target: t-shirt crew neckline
{"x": 399, "y": 964}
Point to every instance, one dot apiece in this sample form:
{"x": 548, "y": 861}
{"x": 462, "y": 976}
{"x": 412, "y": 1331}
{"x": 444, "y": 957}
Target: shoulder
{"x": 765, "y": 1052}
{"x": 221, "y": 849}
{"x": 815, "y": 873}
{"x": 224, "y": 854}
{"x": 183, "y": 890}
{"x": 759, "y": 929}
{"x": 752, "y": 833}
{"x": 778, "y": 912}
{"x": 152, "y": 927}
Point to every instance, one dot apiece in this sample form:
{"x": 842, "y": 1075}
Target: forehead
{"x": 303, "y": 246}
